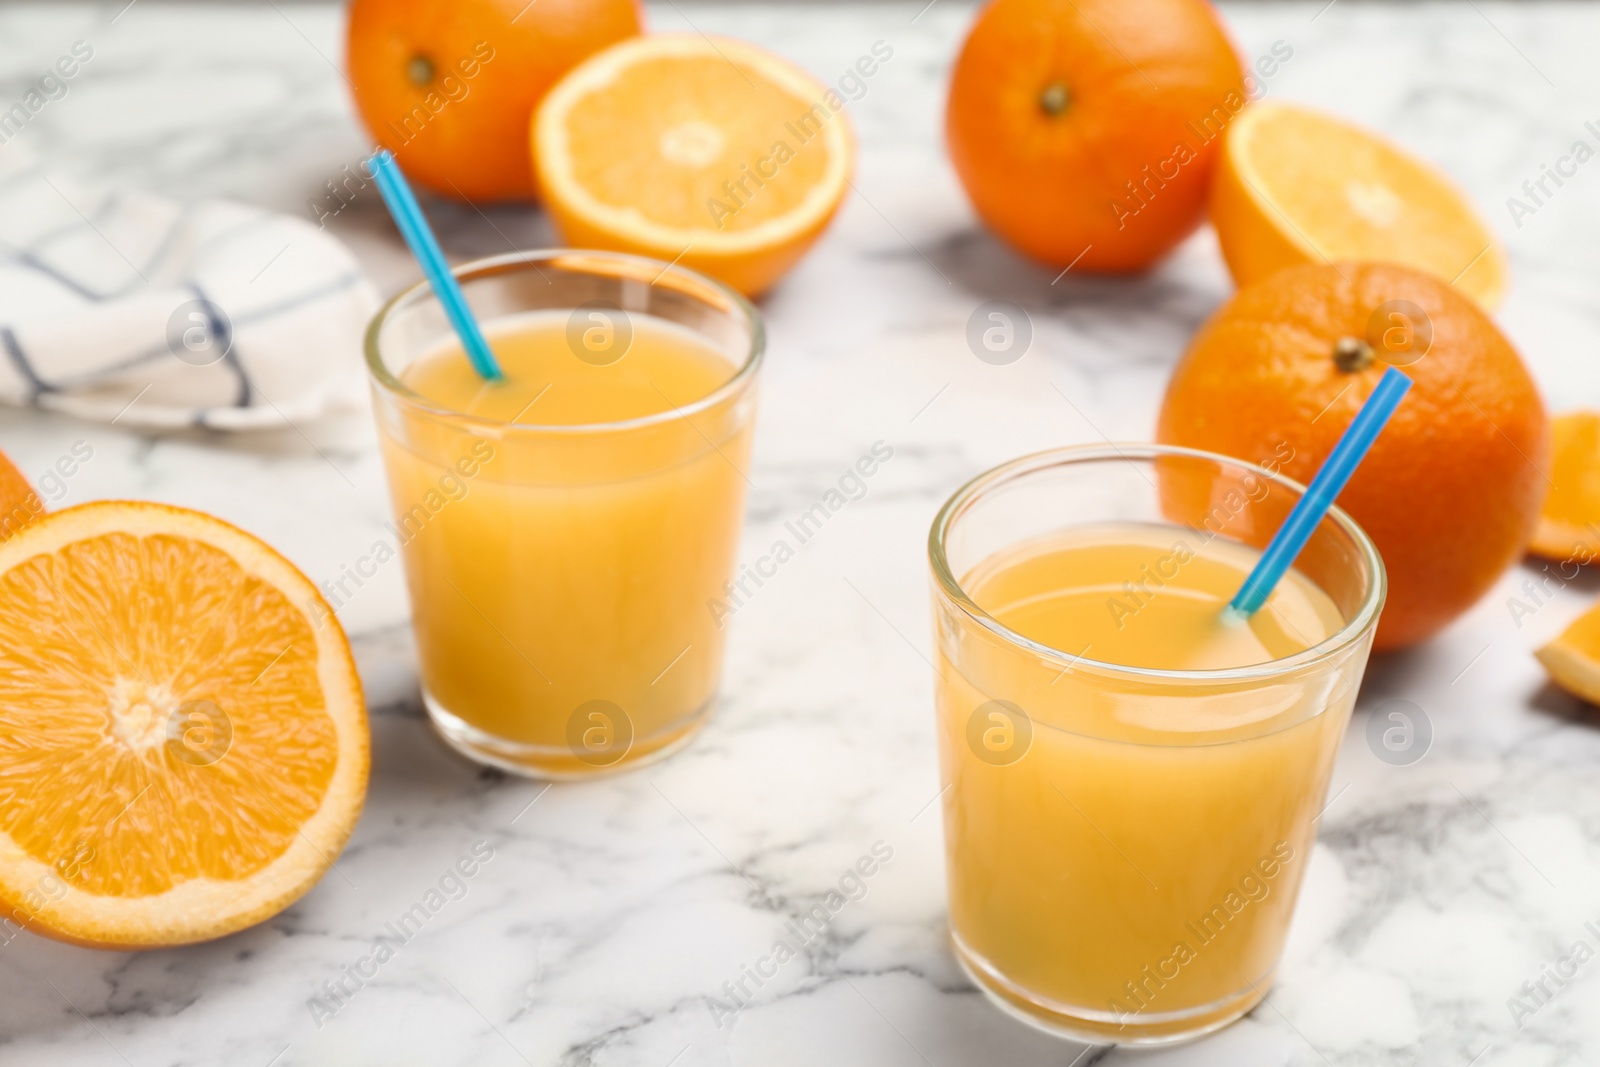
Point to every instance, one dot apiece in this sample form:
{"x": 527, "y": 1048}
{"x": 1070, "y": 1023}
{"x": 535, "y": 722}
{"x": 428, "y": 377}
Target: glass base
{"x": 558, "y": 763}
{"x": 1103, "y": 1028}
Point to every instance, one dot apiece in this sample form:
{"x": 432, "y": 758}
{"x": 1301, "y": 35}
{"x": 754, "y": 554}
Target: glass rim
{"x": 651, "y": 271}
{"x": 1353, "y": 629}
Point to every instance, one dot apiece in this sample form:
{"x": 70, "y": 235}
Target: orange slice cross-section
{"x": 703, "y": 151}
{"x": 183, "y": 741}
{"x": 1296, "y": 186}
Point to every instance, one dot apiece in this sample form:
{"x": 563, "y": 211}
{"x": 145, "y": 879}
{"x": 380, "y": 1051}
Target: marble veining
{"x": 606, "y": 923}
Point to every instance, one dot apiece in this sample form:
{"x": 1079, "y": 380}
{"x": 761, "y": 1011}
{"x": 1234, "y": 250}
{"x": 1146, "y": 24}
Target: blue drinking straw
{"x": 413, "y": 226}
{"x": 1341, "y": 463}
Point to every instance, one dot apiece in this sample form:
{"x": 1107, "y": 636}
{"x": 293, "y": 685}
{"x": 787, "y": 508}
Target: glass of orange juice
{"x": 567, "y": 532}
{"x": 1133, "y": 777}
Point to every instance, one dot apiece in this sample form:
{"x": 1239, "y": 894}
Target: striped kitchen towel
{"x": 133, "y": 308}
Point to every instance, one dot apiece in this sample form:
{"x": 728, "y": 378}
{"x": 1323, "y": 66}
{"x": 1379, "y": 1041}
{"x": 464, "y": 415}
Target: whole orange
{"x": 1451, "y": 491}
{"x": 1085, "y": 131}
{"x": 449, "y": 86}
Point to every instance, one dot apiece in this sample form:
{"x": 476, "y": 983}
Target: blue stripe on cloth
{"x": 222, "y": 330}
{"x": 31, "y": 255}
{"x": 28, "y": 259}
{"x": 40, "y": 240}
{"x": 19, "y": 359}
{"x": 158, "y": 351}
{"x": 168, "y": 239}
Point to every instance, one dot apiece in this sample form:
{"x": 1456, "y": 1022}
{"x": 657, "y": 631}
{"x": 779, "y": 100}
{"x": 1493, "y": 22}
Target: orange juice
{"x": 564, "y": 531}
{"x": 664, "y": 367}
{"x": 1128, "y": 823}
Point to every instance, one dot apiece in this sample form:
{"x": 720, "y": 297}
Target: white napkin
{"x": 132, "y": 308}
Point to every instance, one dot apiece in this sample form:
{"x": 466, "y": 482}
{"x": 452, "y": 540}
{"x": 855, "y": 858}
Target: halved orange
{"x": 703, "y": 151}
{"x": 1569, "y": 522}
{"x": 19, "y": 504}
{"x": 183, "y": 741}
{"x": 1573, "y": 659}
{"x": 1297, "y": 186}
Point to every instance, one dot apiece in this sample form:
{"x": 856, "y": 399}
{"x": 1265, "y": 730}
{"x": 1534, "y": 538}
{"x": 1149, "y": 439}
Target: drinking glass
{"x": 1124, "y": 846}
{"x": 564, "y": 578}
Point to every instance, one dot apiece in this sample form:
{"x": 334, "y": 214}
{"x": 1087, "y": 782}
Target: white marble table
{"x": 612, "y": 912}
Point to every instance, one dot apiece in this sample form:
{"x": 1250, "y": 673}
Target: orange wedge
{"x": 1573, "y": 659}
{"x": 1296, "y": 186}
{"x": 1569, "y": 522}
{"x": 19, "y": 504}
{"x": 183, "y": 742}
{"x": 707, "y": 152}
